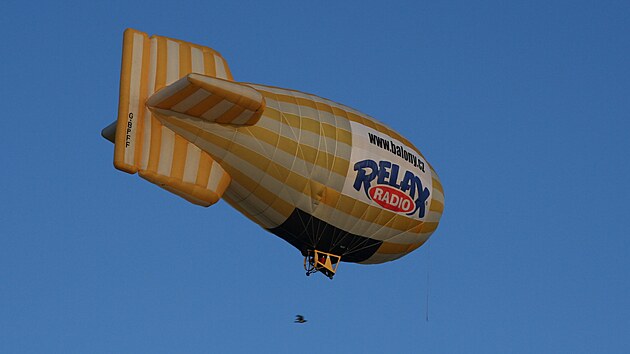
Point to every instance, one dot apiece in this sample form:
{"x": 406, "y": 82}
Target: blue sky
{"x": 522, "y": 107}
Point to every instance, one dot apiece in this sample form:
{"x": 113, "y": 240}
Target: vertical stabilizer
{"x": 142, "y": 143}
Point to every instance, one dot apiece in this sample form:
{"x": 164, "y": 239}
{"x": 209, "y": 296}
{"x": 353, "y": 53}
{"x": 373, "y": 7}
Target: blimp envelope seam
{"x": 353, "y": 115}
{"x": 270, "y": 184}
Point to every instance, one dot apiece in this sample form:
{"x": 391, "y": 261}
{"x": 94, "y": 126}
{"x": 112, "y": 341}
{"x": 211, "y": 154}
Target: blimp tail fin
{"x": 142, "y": 143}
{"x": 210, "y": 99}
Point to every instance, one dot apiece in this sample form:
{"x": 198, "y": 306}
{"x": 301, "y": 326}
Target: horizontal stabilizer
{"x": 201, "y": 181}
{"x": 209, "y": 98}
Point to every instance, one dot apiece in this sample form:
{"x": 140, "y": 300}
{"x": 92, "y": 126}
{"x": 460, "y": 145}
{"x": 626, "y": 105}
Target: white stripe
{"x": 356, "y": 225}
{"x": 433, "y": 216}
{"x": 190, "y": 101}
{"x": 166, "y": 92}
{"x": 236, "y": 192}
{"x": 437, "y": 195}
{"x": 296, "y": 164}
{"x": 172, "y": 61}
{"x": 197, "y": 60}
{"x": 324, "y": 117}
{"x": 220, "y": 67}
{"x": 295, "y": 197}
{"x": 146, "y": 136}
{"x": 237, "y": 89}
{"x": 269, "y": 219}
{"x": 243, "y": 117}
{"x": 292, "y": 162}
{"x": 191, "y": 167}
{"x": 134, "y": 95}
{"x": 409, "y": 238}
{"x": 167, "y": 146}
{"x": 316, "y": 99}
{"x": 218, "y": 110}
{"x": 307, "y": 137}
{"x": 240, "y": 90}
{"x": 255, "y": 206}
{"x": 216, "y": 172}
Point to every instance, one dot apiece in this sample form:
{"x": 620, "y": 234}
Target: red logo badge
{"x": 392, "y": 198}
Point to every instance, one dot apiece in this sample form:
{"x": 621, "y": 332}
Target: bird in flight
{"x": 299, "y": 319}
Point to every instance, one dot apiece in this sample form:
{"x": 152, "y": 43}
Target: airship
{"x": 337, "y": 184}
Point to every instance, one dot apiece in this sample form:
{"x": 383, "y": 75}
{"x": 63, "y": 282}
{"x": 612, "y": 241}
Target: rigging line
{"x": 356, "y": 248}
{"x": 323, "y": 140}
{"x": 296, "y": 135}
{"x": 341, "y": 121}
{"x": 319, "y": 233}
{"x": 360, "y": 219}
{"x": 290, "y": 233}
{"x": 309, "y": 227}
{"x": 382, "y": 212}
{"x": 338, "y": 239}
{"x": 361, "y": 244}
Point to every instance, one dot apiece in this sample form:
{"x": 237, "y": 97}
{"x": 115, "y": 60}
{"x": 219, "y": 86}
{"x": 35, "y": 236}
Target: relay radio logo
{"x": 393, "y": 190}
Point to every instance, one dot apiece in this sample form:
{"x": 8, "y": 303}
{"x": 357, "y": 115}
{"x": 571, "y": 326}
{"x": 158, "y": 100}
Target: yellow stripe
{"x": 229, "y": 116}
{"x": 177, "y": 97}
{"x": 156, "y": 138}
{"x": 351, "y": 117}
{"x": 156, "y": 126}
{"x": 180, "y": 145}
{"x": 185, "y": 61}
{"x": 228, "y": 72}
{"x": 438, "y": 185}
{"x": 254, "y": 118}
{"x": 202, "y": 107}
{"x": 271, "y": 198}
{"x": 180, "y": 150}
{"x": 307, "y": 123}
{"x": 205, "y": 164}
{"x": 307, "y": 153}
{"x": 429, "y": 227}
{"x": 241, "y": 210}
{"x": 193, "y": 193}
{"x": 323, "y": 129}
{"x": 189, "y": 44}
{"x": 395, "y": 248}
{"x": 231, "y": 96}
{"x": 436, "y": 206}
{"x": 326, "y": 105}
{"x": 299, "y": 183}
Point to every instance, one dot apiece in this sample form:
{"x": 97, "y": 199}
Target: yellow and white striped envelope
{"x": 316, "y": 173}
